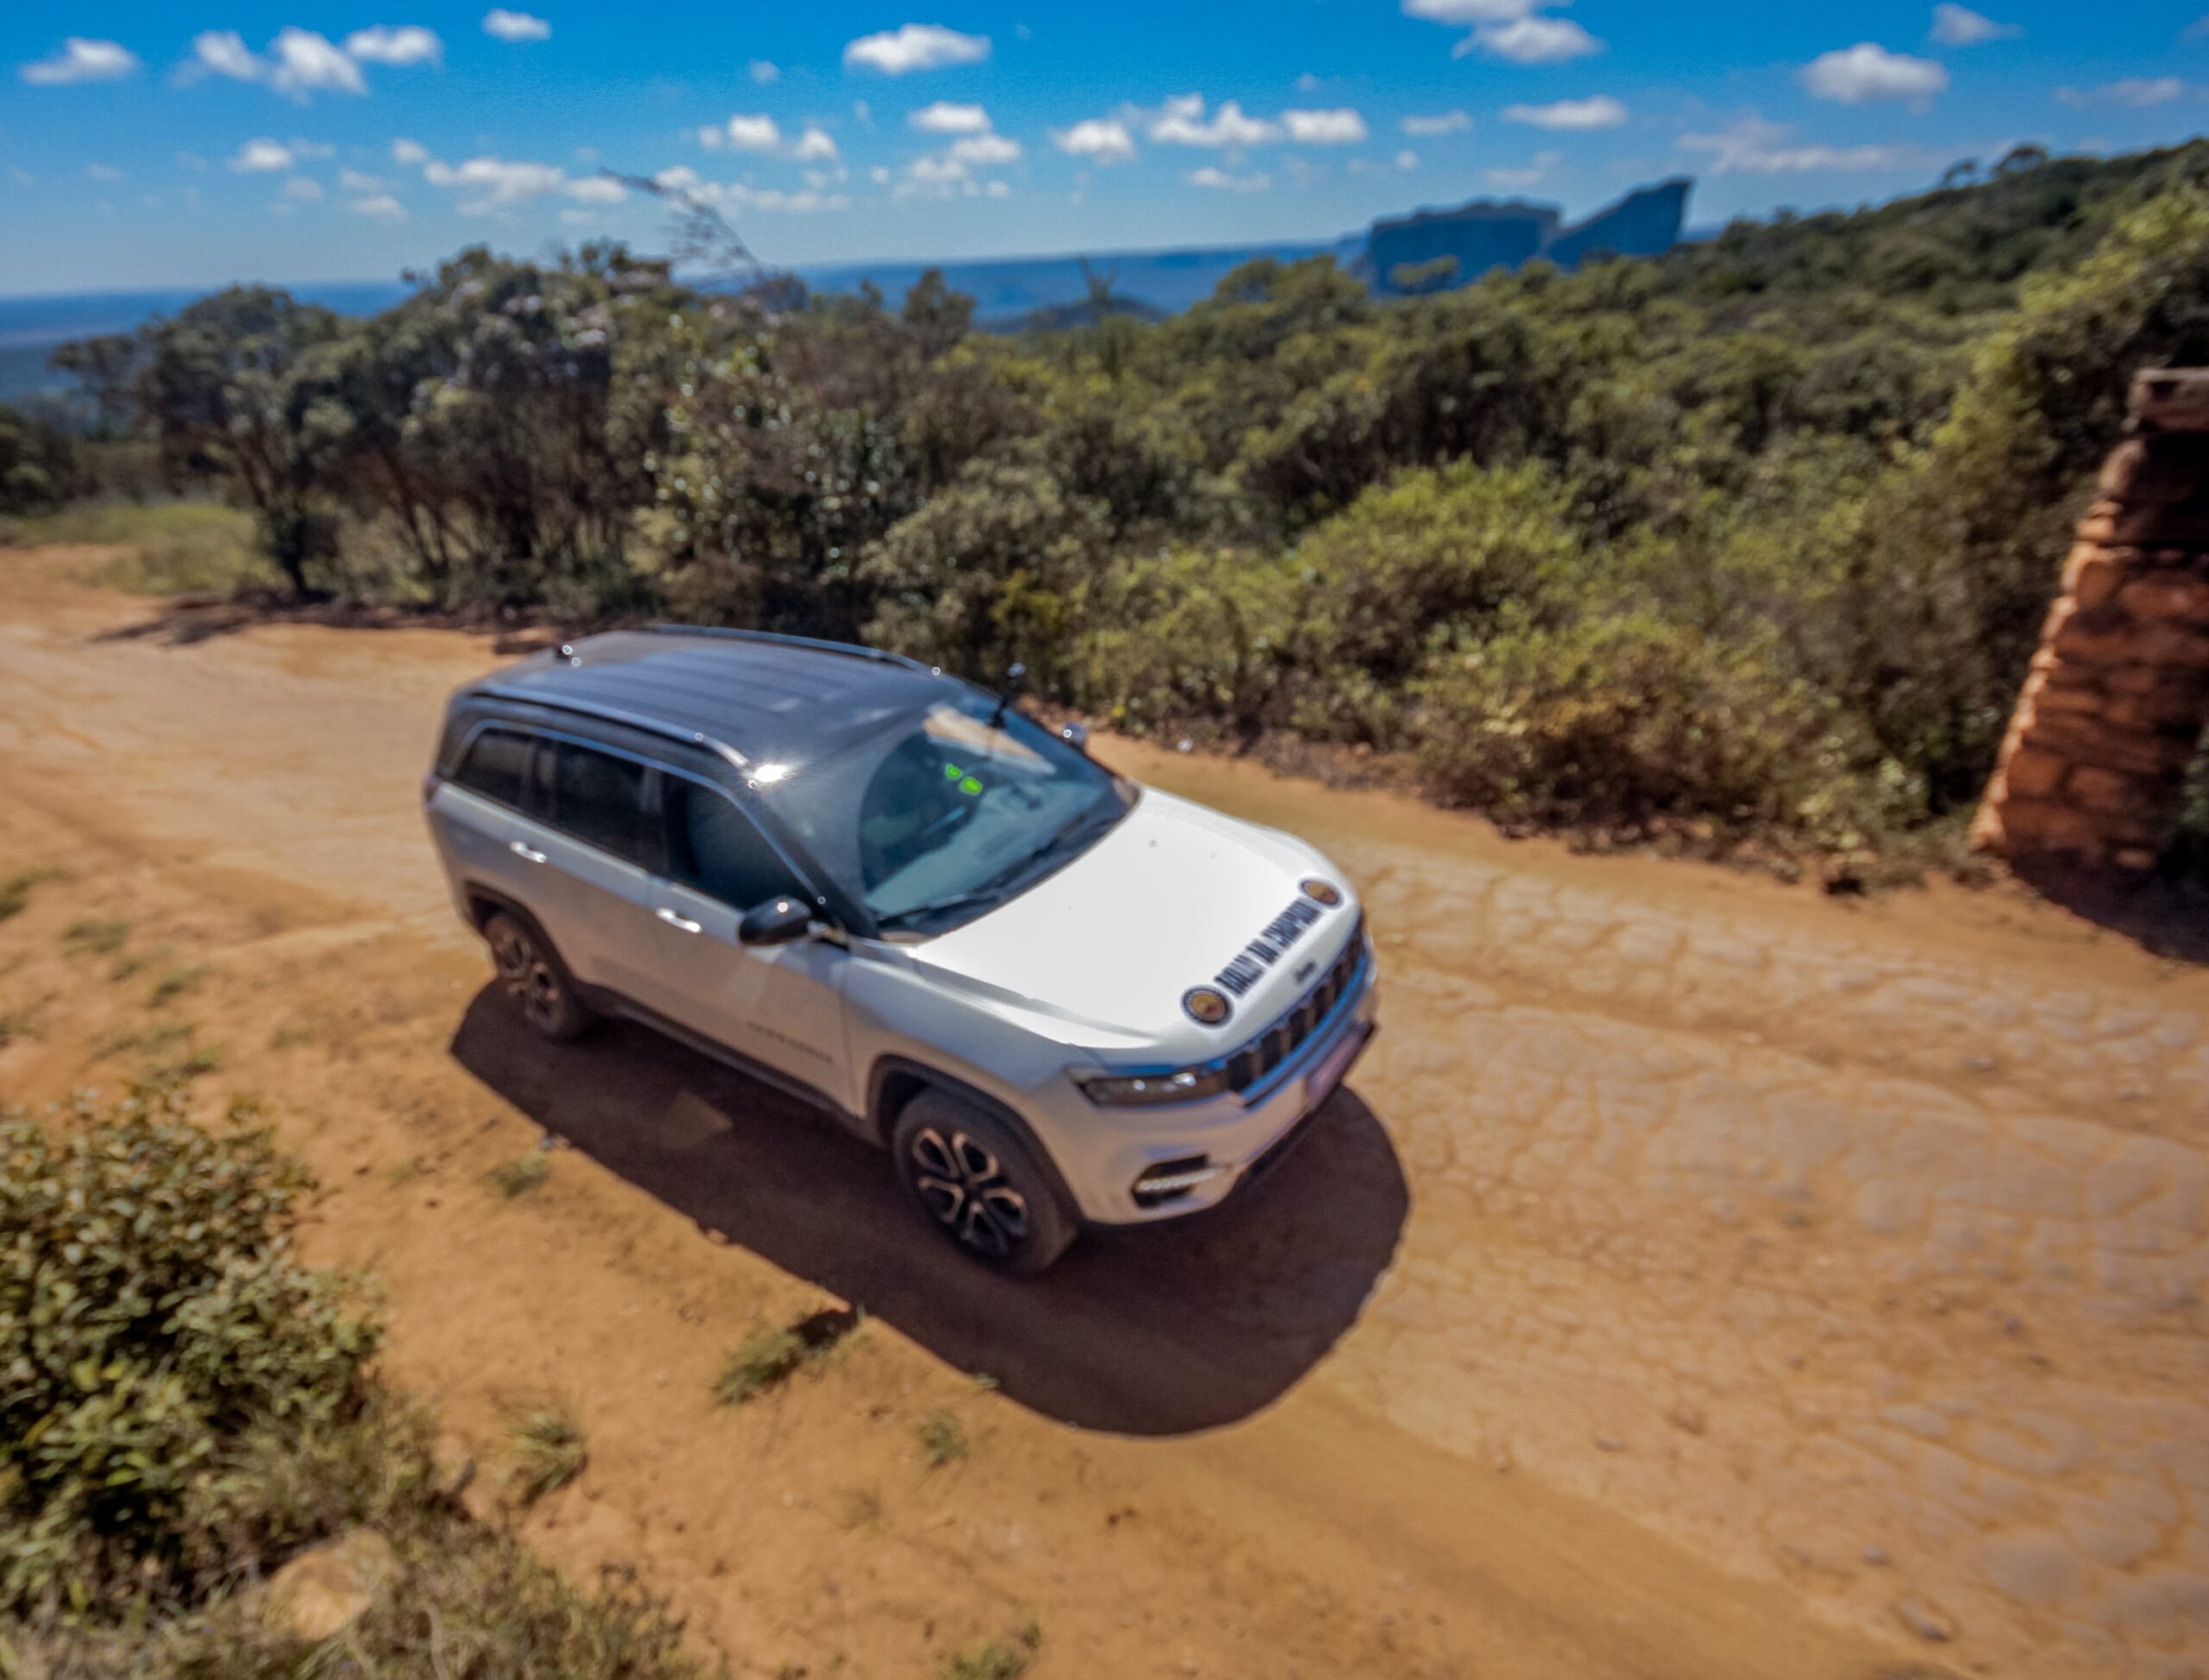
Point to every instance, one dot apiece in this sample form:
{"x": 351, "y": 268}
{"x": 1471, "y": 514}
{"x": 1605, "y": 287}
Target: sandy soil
{"x": 1702, "y": 1278}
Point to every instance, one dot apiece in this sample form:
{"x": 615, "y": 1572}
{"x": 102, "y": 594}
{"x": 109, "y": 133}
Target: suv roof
{"x": 747, "y": 690}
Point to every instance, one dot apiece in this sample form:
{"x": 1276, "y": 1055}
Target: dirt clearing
{"x": 1700, "y": 1278}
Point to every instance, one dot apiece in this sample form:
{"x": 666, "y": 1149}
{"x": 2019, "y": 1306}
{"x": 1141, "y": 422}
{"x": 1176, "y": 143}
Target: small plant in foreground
{"x": 549, "y": 1449}
{"x": 174, "y": 983}
{"x": 522, "y": 1174}
{"x": 100, "y": 938}
{"x": 770, "y": 1357}
{"x": 943, "y": 1438}
{"x": 996, "y": 1659}
{"x": 15, "y": 890}
{"x": 858, "y": 1507}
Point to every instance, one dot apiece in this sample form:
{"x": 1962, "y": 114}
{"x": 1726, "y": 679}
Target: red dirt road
{"x": 1700, "y": 1278}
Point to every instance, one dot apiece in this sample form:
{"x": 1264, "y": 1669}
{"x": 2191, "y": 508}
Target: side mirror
{"x": 1075, "y": 735}
{"x": 777, "y": 922}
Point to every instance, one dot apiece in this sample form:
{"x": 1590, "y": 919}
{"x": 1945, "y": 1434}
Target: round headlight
{"x": 1205, "y": 1006}
{"x": 1321, "y": 893}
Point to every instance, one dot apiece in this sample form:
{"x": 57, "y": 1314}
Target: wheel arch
{"x": 894, "y": 1081}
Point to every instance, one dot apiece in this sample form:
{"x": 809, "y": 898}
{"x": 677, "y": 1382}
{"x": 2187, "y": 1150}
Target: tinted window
{"x": 494, "y": 766}
{"x": 600, "y": 799}
{"x": 712, "y": 846}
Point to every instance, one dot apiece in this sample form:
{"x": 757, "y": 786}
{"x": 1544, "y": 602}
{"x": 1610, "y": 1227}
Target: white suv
{"x": 1058, "y": 997}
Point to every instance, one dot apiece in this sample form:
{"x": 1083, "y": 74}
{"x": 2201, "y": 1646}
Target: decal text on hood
{"x": 1250, "y": 964}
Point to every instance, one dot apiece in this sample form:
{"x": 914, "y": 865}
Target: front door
{"x": 781, "y": 1005}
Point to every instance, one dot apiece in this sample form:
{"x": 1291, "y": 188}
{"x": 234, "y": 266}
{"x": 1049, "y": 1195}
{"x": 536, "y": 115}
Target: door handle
{"x": 675, "y": 920}
{"x": 523, "y": 849}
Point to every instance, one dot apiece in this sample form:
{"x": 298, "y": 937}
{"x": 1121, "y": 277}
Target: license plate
{"x": 1319, "y": 1084}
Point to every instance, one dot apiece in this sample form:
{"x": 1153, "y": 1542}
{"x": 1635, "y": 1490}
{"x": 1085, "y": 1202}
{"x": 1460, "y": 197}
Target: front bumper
{"x": 1101, "y": 1152}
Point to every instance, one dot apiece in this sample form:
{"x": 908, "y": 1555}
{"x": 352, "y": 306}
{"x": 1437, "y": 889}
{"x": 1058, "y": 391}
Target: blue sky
{"x": 146, "y": 144}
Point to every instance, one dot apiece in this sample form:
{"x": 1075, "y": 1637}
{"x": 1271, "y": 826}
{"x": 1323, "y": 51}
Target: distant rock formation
{"x": 1436, "y": 249}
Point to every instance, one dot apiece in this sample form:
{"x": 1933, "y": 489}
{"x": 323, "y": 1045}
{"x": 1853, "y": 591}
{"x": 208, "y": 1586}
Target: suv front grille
{"x": 1274, "y": 1046}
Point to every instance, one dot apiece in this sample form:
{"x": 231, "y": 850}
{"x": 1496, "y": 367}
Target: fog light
{"x": 1168, "y": 1179}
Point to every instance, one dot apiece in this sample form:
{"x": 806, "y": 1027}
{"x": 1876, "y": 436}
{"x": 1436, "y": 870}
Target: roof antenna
{"x": 1016, "y": 678}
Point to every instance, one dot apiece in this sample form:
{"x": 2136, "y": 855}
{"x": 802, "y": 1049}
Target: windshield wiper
{"x": 999, "y": 885}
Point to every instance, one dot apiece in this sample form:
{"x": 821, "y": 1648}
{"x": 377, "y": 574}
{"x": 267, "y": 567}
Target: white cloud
{"x": 223, "y": 53}
{"x": 1754, "y": 147}
{"x": 734, "y": 195}
{"x": 596, "y": 190}
{"x": 382, "y": 205}
{"x": 515, "y": 26}
{"x": 1181, "y": 123}
{"x": 104, "y": 172}
{"x": 1570, "y": 114}
{"x": 1101, "y": 139}
{"x": 985, "y": 149}
{"x": 1342, "y": 126}
{"x": 82, "y": 61}
{"x": 937, "y": 170}
{"x": 1960, "y": 26}
{"x": 259, "y": 157}
{"x": 1220, "y": 181}
{"x": 1407, "y": 159}
{"x": 307, "y": 63}
{"x": 1867, "y": 71}
{"x": 495, "y": 181}
{"x": 1545, "y": 165}
{"x": 1448, "y": 122}
{"x": 305, "y": 188}
{"x": 354, "y": 181}
{"x": 746, "y": 133}
{"x": 944, "y": 117}
{"x": 408, "y": 43}
{"x": 815, "y": 144}
{"x": 2135, "y": 93}
{"x": 915, "y": 47}
{"x": 1530, "y": 40}
{"x": 762, "y": 72}
{"x": 409, "y": 152}
{"x": 1468, "y": 11}
{"x": 313, "y": 148}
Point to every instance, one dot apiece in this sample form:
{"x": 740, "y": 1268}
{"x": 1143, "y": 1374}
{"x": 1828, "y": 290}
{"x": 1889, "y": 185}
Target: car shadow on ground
{"x": 1154, "y": 1332}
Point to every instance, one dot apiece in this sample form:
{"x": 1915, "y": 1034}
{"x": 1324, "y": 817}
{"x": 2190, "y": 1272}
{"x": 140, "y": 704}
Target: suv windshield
{"x": 935, "y": 820}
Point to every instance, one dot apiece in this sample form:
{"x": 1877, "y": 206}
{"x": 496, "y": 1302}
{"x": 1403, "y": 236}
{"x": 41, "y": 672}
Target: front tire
{"x": 534, "y": 976}
{"x": 980, "y": 1185}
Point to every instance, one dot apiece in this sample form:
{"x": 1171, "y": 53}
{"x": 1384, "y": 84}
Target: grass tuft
{"x": 16, "y": 891}
{"x": 943, "y": 1438}
{"x": 175, "y": 984}
{"x": 547, "y": 1447}
{"x": 521, "y": 1175}
{"x": 996, "y": 1659}
{"x": 102, "y": 938}
{"x": 768, "y": 1358}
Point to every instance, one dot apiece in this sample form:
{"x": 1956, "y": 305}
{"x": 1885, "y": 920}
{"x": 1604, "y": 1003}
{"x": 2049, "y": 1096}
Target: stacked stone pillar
{"x": 2113, "y": 709}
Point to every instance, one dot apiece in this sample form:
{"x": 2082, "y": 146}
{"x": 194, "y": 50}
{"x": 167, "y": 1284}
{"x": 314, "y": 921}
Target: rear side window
{"x": 495, "y": 764}
{"x": 713, "y": 846}
{"x": 600, "y": 799}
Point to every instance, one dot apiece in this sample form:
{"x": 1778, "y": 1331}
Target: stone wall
{"x": 2113, "y": 709}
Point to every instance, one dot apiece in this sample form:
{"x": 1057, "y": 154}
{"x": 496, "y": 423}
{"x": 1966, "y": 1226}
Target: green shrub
{"x": 154, "y": 1328}
{"x": 549, "y": 1449}
{"x": 941, "y": 1436}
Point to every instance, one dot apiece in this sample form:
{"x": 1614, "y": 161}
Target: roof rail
{"x": 850, "y": 650}
{"x": 650, "y": 726}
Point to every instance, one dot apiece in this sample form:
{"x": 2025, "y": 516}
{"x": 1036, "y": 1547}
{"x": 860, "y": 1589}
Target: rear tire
{"x": 981, "y": 1185}
{"x": 534, "y": 979}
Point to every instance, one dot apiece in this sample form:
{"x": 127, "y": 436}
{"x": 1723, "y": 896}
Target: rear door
{"x": 781, "y": 1005}
{"x": 476, "y": 815}
{"x": 589, "y": 857}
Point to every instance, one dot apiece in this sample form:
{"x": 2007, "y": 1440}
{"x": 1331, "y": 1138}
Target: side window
{"x": 497, "y": 760}
{"x": 600, "y": 799}
{"x": 713, "y": 846}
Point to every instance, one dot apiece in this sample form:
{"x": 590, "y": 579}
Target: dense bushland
{"x": 1752, "y": 539}
{"x": 184, "y": 1405}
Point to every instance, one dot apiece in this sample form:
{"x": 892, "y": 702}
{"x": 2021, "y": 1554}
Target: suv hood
{"x": 1163, "y": 903}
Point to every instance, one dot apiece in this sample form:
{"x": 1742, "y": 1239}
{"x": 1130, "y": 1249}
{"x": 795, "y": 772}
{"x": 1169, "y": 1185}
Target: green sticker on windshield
{"x": 966, "y": 783}
{"x": 970, "y": 785}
